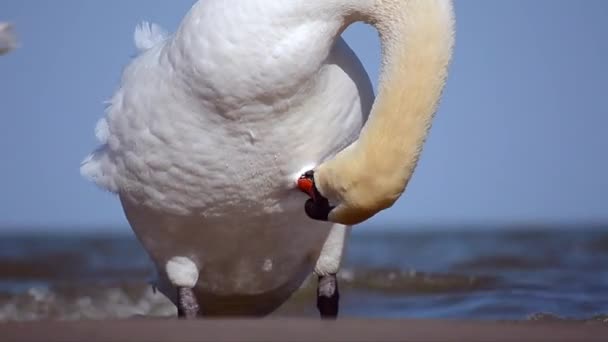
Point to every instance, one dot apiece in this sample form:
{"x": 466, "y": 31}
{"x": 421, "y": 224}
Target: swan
{"x": 245, "y": 145}
{"x": 8, "y": 42}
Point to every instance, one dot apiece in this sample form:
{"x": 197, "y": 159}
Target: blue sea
{"x": 520, "y": 273}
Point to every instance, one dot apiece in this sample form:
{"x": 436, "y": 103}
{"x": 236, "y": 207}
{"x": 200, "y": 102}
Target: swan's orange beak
{"x": 306, "y": 185}
{"x": 316, "y": 207}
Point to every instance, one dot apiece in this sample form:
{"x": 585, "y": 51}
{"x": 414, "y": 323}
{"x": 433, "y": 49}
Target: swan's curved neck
{"x": 417, "y": 39}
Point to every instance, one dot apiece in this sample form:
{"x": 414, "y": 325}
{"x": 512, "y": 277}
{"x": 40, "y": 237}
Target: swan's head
{"x": 370, "y": 175}
{"x": 317, "y": 206}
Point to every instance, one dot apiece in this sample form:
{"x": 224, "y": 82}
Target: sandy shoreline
{"x": 300, "y": 330}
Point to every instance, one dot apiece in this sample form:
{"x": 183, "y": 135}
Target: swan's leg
{"x": 187, "y": 305}
{"x": 183, "y": 274}
{"x": 328, "y": 295}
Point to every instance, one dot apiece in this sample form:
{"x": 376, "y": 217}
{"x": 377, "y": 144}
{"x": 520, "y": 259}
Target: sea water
{"x": 495, "y": 274}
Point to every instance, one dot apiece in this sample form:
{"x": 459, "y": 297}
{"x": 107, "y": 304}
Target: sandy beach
{"x": 301, "y": 330}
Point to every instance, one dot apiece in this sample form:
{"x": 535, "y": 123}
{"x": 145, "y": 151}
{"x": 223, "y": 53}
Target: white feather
{"x": 102, "y": 132}
{"x": 99, "y": 169}
{"x": 147, "y": 35}
{"x": 182, "y": 271}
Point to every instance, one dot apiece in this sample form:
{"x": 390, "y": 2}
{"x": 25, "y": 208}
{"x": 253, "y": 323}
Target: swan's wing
{"x": 7, "y": 38}
{"x": 147, "y": 35}
{"x": 99, "y": 167}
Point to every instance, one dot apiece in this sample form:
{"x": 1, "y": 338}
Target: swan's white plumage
{"x": 209, "y": 130}
{"x": 182, "y": 272}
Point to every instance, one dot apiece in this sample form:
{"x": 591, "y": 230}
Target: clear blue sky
{"x": 520, "y": 136}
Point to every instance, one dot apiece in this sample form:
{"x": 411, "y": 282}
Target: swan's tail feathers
{"x": 148, "y": 35}
{"x": 99, "y": 169}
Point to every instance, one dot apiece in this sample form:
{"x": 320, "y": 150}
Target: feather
{"x": 147, "y": 35}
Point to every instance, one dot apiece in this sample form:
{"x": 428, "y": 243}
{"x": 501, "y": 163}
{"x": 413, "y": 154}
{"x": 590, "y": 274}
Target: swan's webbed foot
{"x": 317, "y": 207}
{"x": 328, "y": 296}
{"x": 187, "y": 304}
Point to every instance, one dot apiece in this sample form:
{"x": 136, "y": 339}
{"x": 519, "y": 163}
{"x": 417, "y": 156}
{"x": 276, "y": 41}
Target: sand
{"x": 301, "y": 330}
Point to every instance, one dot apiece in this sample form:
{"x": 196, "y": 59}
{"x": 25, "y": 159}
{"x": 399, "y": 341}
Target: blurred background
{"x": 506, "y": 216}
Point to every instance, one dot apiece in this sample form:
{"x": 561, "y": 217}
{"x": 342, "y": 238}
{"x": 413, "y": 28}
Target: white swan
{"x": 8, "y": 42}
{"x": 212, "y": 126}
